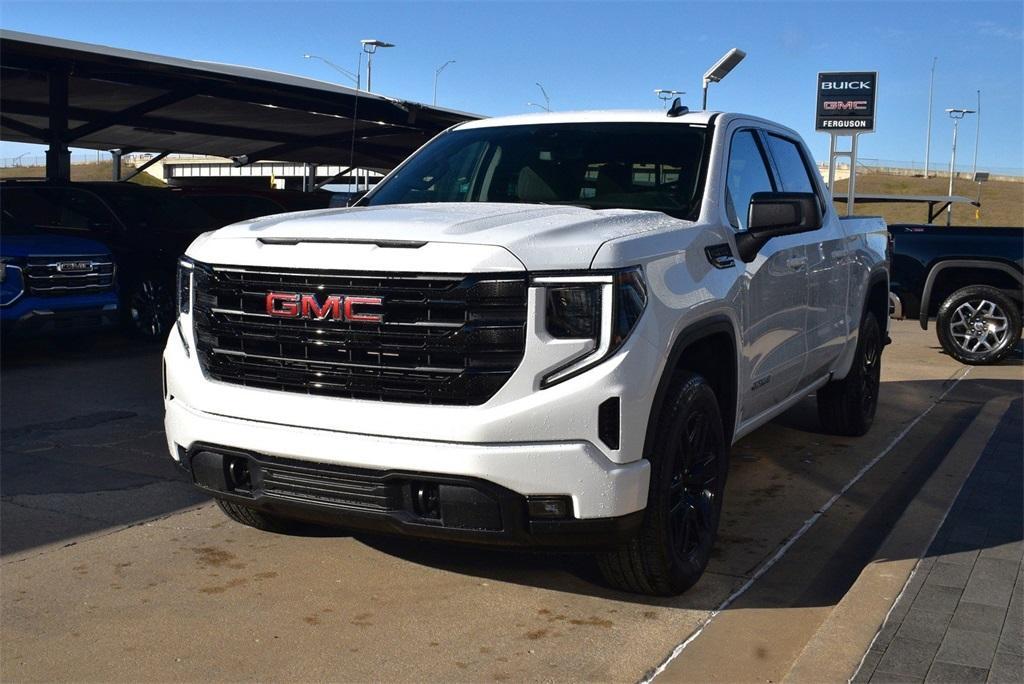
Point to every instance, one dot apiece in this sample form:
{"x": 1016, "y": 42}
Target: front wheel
{"x": 149, "y": 309}
{"x": 688, "y": 470}
{"x": 847, "y": 406}
{"x": 251, "y": 517}
{"x": 978, "y": 325}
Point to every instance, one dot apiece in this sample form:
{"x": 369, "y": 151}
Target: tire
{"x": 149, "y": 309}
{"x": 978, "y": 325}
{"x": 848, "y": 406}
{"x": 684, "y": 503}
{"x": 254, "y": 518}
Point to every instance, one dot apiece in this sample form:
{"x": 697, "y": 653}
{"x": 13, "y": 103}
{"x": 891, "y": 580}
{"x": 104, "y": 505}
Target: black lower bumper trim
{"x": 45, "y": 323}
{"x": 407, "y": 503}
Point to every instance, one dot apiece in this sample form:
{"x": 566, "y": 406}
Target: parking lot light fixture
{"x": 721, "y": 69}
{"x": 956, "y": 115}
{"x": 370, "y": 46}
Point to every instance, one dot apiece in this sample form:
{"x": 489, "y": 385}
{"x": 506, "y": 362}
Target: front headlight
{"x": 12, "y": 282}
{"x": 183, "y": 297}
{"x": 184, "y": 289}
{"x": 602, "y": 307}
{"x": 3, "y": 267}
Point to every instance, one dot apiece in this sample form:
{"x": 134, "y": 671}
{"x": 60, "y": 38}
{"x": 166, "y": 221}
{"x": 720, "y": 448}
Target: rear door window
{"x": 789, "y": 161}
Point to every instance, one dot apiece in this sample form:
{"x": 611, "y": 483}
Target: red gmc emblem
{"x": 335, "y": 307}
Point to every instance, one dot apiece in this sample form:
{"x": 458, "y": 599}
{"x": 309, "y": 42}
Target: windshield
{"x": 158, "y": 208}
{"x": 597, "y": 165}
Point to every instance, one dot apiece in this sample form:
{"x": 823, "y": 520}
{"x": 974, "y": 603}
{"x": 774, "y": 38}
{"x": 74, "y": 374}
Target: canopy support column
{"x": 58, "y": 156}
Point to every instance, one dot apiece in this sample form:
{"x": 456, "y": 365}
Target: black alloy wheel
{"x": 150, "y": 309}
{"x": 693, "y": 492}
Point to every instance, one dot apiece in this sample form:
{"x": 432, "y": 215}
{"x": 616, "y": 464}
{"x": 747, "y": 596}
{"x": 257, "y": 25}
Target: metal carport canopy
{"x": 65, "y": 93}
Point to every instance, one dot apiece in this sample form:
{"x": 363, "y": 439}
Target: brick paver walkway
{"x": 961, "y": 617}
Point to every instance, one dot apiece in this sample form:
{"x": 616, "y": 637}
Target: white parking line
{"x": 767, "y": 565}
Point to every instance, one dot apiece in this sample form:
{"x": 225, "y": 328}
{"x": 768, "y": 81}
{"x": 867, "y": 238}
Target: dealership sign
{"x": 846, "y": 102}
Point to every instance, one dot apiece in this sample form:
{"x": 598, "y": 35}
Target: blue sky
{"x": 611, "y": 55}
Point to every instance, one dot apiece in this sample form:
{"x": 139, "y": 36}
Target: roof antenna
{"x": 677, "y": 108}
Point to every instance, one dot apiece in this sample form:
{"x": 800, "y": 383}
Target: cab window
{"x": 793, "y": 171}
{"x": 747, "y": 174}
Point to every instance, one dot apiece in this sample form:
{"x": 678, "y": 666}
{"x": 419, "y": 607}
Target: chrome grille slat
{"x": 43, "y": 278}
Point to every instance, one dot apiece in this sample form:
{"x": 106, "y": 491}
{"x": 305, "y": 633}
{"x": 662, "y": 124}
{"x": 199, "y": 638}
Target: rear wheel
{"x": 688, "y": 471}
{"x": 847, "y": 406}
{"x": 254, "y": 518}
{"x": 978, "y": 325}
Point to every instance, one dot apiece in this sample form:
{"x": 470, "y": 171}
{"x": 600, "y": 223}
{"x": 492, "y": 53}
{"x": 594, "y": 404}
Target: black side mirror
{"x": 773, "y": 214}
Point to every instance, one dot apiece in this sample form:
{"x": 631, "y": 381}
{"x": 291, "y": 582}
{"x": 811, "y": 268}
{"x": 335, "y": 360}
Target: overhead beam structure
{"x": 63, "y": 93}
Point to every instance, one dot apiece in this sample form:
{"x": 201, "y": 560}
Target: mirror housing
{"x": 774, "y": 214}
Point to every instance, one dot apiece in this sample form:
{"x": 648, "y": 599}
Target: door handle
{"x": 796, "y": 263}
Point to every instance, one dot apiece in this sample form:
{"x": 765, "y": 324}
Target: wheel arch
{"x": 939, "y": 281}
{"x": 877, "y": 300}
{"x": 707, "y": 347}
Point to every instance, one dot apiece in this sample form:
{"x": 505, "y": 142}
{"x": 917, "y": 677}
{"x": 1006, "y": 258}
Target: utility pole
{"x": 928, "y": 142}
{"x": 977, "y": 138}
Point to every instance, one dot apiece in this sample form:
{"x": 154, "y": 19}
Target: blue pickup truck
{"x": 54, "y": 285}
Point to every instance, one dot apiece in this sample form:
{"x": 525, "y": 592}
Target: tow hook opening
{"x": 426, "y": 500}
{"x": 237, "y": 475}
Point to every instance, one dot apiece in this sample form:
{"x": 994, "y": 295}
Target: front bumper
{"x": 441, "y": 507}
{"x": 597, "y": 488}
{"x": 38, "y": 317}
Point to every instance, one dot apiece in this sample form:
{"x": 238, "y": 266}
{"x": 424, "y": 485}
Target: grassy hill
{"x": 93, "y": 171}
{"x": 1002, "y": 202}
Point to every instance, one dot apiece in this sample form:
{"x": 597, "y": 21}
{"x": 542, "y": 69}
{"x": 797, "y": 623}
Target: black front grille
{"x": 48, "y": 276}
{"x": 442, "y": 339}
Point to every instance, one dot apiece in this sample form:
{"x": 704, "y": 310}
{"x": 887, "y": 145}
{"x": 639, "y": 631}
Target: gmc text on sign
{"x": 846, "y": 101}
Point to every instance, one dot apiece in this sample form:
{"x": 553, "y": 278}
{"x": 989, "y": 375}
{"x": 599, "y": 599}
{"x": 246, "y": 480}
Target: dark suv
{"x": 146, "y": 228}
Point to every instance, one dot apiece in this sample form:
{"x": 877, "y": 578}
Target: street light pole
{"x": 437, "y": 72}
{"x": 666, "y": 95}
{"x": 547, "y": 100}
{"x": 341, "y": 70}
{"x": 928, "y": 139}
{"x": 370, "y": 46}
{"x": 977, "y": 138}
{"x": 956, "y": 115}
{"x": 720, "y": 70}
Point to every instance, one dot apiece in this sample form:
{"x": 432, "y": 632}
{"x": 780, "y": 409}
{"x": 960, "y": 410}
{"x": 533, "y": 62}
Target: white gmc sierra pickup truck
{"x": 542, "y": 331}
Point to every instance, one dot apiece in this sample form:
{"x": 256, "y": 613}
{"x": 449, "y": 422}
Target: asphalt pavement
{"x": 115, "y": 569}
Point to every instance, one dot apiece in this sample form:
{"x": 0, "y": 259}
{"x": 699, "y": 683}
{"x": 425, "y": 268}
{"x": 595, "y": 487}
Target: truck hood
{"x": 49, "y": 245}
{"x": 540, "y": 237}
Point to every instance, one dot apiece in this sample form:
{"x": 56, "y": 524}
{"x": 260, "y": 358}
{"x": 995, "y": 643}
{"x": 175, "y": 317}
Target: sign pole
{"x": 851, "y": 194}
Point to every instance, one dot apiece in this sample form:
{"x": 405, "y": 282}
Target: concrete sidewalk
{"x": 961, "y": 616}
